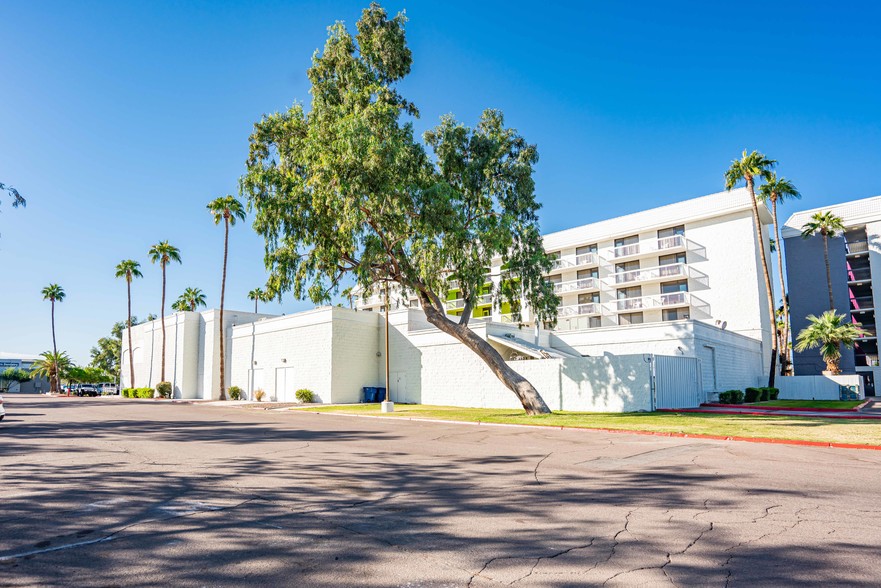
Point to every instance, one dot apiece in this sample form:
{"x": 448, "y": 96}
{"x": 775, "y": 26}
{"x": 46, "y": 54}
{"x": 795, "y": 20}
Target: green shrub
{"x": 765, "y": 394}
{"x": 126, "y": 392}
{"x": 164, "y": 389}
{"x": 731, "y": 397}
{"x": 752, "y": 394}
{"x": 774, "y": 393}
{"x": 235, "y": 393}
{"x": 305, "y": 395}
{"x": 141, "y": 392}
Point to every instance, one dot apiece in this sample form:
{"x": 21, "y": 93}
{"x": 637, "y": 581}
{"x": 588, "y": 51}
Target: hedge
{"x": 137, "y": 392}
{"x": 731, "y": 397}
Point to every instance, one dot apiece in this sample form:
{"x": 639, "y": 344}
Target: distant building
{"x": 855, "y": 267}
{"x": 24, "y": 362}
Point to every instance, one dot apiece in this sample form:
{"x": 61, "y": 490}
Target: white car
{"x": 2, "y": 409}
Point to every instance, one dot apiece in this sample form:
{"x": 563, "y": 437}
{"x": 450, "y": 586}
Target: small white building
{"x": 661, "y": 308}
{"x": 24, "y": 362}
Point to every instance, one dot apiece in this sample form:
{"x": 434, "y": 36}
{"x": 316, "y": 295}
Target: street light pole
{"x": 387, "y": 404}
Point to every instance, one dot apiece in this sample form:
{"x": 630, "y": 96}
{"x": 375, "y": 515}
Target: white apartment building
{"x": 676, "y": 285}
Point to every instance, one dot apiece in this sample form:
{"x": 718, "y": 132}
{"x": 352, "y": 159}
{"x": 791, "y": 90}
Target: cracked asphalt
{"x": 112, "y": 492}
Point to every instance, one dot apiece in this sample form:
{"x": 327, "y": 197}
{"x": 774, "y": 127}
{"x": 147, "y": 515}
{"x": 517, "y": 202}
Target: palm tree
{"x": 190, "y": 300}
{"x": 53, "y": 293}
{"x": 828, "y": 225}
{"x": 257, "y": 295}
{"x": 227, "y": 209}
{"x": 829, "y": 332}
{"x": 128, "y": 269}
{"x": 164, "y": 253}
{"x": 777, "y": 190}
{"x": 747, "y": 169}
{"x": 52, "y": 365}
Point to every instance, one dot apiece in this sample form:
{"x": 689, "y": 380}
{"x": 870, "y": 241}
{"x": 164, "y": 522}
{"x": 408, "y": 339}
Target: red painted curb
{"x": 771, "y": 413}
{"x": 625, "y": 431}
{"x": 794, "y": 408}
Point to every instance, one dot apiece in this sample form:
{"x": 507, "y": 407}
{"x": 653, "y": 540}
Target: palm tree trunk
{"x": 767, "y": 275}
{"x": 54, "y": 383}
{"x": 131, "y": 365}
{"x": 162, "y": 318}
{"x": 222, "y": 293}
{"x": 255, "y": 305}
{"x": 784, "y": 341}
{"x": 828, "y": 273}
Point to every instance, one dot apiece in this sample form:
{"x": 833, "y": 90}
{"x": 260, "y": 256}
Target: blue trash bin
{"x": 380, "y": 394}
{"x": 368, "y": 394}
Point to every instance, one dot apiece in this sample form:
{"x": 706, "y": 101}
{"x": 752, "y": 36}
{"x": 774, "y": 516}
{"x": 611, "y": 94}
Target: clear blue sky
{"x": 119, "y": 121}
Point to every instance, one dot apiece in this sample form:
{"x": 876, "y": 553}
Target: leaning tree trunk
{"x": 828, "y": 273}
{"x": 55, "y": 381}
{"x": 767, "y": 275}
{"x": 222, "y": 292}
{"x": 131, "y": 365}
{"x": 784, "y": 341}
{"x": 527, "y": 394}
{"x": 162, "y": 318}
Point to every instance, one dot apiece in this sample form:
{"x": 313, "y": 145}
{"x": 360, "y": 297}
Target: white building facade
{"x": 676, "y": 288}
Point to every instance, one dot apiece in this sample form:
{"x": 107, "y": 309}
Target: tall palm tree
{"x": 53, "y": 366}
{"x": 190, "y": 300}
{"x": 164, "y": 253}
{"x": 828, "y": 225}
{"x": 257, "y": 295}
{"x": 829, "y": 332}
{"x": 778, "y": 190}
{"x": 748, "y": 169}
{"x": 128, "y": 269}
{"x": 226, "y": 209}
{"x": 53, "y": 293}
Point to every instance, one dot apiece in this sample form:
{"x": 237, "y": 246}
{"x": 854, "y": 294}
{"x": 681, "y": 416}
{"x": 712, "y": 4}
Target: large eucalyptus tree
{"x": 344, "y": 191}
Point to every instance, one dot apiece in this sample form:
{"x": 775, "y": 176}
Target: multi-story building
{"x": 695, "y": 260}
{"x": 24, "y": 362}
{"x": 854, "y": 260}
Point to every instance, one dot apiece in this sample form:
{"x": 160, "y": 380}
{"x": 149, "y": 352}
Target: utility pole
{"x": 387, "y": 405}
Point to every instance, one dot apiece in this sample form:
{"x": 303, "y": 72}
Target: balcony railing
{"x": 460, "y": 302}
{"x": 870, "y": 330}
{"x": 862, "y": 303}
{"x": 649, "y": 246}
{"x": 574, "y": 261}
{"x": 859, "y": 274}
{"x": 578, "y": 285}
{"x": 675, "y": 270}
{"x": 671, "y": 300}
{"x": 587, "y": 309}
{"x": 857, "y": 247}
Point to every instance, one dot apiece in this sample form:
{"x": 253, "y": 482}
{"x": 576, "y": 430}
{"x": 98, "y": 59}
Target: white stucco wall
{"x": 815, "y": 387}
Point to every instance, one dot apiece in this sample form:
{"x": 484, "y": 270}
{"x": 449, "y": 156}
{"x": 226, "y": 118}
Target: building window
{"x": 671, "y": 231}
{"x": 631, "y": 240}
{"x": 631, "y": 318}
{"x": 672, "y": 259}
{"x": 675, "y": 314}
{"x": 586, "y": 249}
{"x": 595, "y": 321}
{"x": 589, "y": 298}
{"x": 591, "y": 273}
{"x": 631, "y": 292}
{"x": 672, "y": 287}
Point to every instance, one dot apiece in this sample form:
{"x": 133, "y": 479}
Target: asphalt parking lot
{"x": 109, "y": 492}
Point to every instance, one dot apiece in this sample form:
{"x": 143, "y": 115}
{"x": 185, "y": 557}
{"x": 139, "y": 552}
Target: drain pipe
{"x": 653, "y": 392}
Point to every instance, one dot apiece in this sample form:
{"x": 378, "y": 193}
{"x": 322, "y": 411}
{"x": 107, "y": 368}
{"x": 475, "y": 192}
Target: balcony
{"x": 871, "y": 332}
{"x": 589, "y": 309}
{"x": 579, "y": 285}
{"x": 854, "y": 247}
{"x": 661, "y": 246}
{"x": 862, "y": 274}
{"x": 652, "y": 274}
{"x": 657, "y": 301}
{"x": 574, "y": 262}
{"x": 459, "y": 303}
{"x": 861, "y": 303}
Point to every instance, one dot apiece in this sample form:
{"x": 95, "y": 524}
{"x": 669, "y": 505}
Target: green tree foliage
{"x": 258, "y": 295}
{"x": 748, "y": 169}
{"x": 345, "y": 192}
{"x": 128, "y": 269}
{"x": 163, "y": 253}
{"x": 11, "y": 376}
{"x": 54, "y": 293}
{"x": 829, "y": 332}
{"x": 52, "y": 365}
{"x": 107, "y": 352}
{"x": 190, "y": 300}
{"x": 17, "y": 198}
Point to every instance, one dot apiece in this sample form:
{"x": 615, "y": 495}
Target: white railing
{"x": 675, "y": 270}
{"x": 649, "y": 246}
{"x": 460, "y": 302}
{"x": 573, "y": 261}
{"x": 655, "y": 301}
{"x": 589, "y": 308}
{"x": 576, "y": 285}
{"x": 857, "y": 246}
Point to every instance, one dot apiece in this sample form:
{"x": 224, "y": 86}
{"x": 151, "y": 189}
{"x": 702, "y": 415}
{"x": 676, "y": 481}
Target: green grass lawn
{"x": 841, "y": 404}
{"x": 858, "y": 431}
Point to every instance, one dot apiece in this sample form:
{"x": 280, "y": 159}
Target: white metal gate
{"x": 677, "y": 382}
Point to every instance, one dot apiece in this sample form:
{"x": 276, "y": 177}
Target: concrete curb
{"x": 773, "y": 413}
{"x": 794, "y": 408}
{"x": 624, "y": 431}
